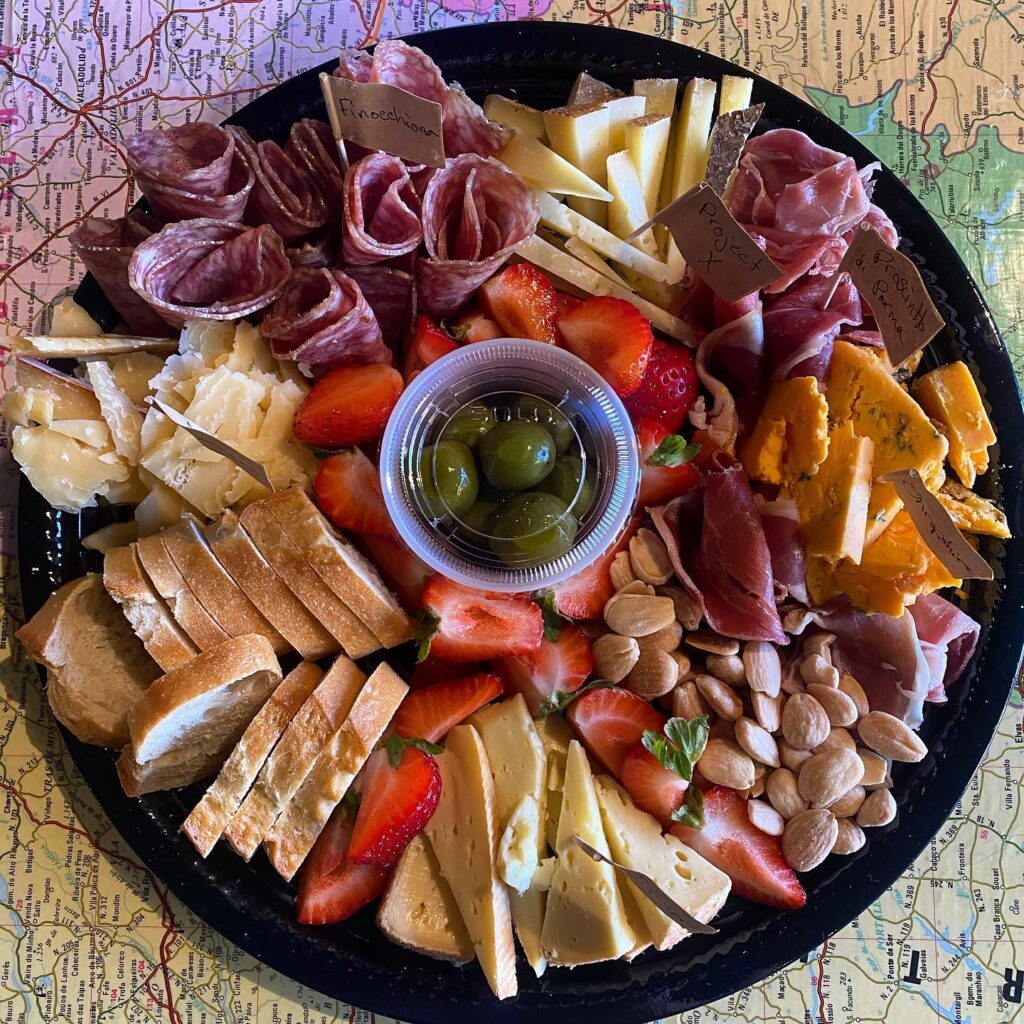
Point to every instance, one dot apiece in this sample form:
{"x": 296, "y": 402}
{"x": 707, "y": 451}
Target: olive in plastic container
{"x": 509, "y": 465}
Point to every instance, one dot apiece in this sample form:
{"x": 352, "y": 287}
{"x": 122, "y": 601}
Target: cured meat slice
{"x": 106, "y": 247}
{"x": 283, "y": 195}
{"x": 475, "y": 211}
{"x": 407, "y": 67}
{"x": 948, "y": 638}
{"x": 391, "y": 293}
{"x": 354, "y": 65}
{"x": 189, "y": 171}
{"x": 467, "y": 129}
{"x": 317, "y": 251}
{"x": 312, "y": 148}
{"x": 382, "y": 211}
{"x": 322, "y": 318}
{"x": 209, "y": 270}
{"x": 780, "y": 521}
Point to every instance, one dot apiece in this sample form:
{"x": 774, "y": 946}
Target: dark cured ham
{"x": 311, "y": 147}
{"x": 323, "y": 319}
{"x": 948, "y": 638}
{"x": 780, "y": 522}
{"x": 391, "y": 294}
{"x": 209, "y": 270}
{"x": 382, "y": 211}
{"x": 475, "y": 211}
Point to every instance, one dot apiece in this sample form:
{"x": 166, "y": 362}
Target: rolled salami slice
{"x": 407, "y": 67}
{"x": 209, "y": 270}
{"x": 475, "y": 211}
{"x": 311, "y": 147}
{"x": 467, "y": 129}
{"x": 106, "y": 247}
{"x": 391, "y": 293}
{"x": 284, "y": 195}
{"x": 354, "y": 65}
{"x": 192, "y": 170}
{"x": 382, "y": 211}
{"x": 322, "y": 318}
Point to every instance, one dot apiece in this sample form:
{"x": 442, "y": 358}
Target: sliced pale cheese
{"x": 588, "y": 89}
{"x": 161, "y": 507}
{"x": 72, "y": 399}
{"x": 735, "y": 93}
{"x": 555, "y": 736}
{"x": 129, "y": 491}
{"x": 48, "y": 346}
{"x": 120, "y": 412}
{"x": 647, "y": 140}
{"x": 585, "y": 921}
{"x": 113, "y": 535}
{"x": 518, "y": 116}
{"x": 660, "y": 94}
{"x": 28, "y": 407}
{"x": 70, "y": 320}
{"x": 636, "y": 841}
{"x": 586, "y": 255}
{"x": 581, "y": 135}
{"x": 134, "y": 371}
{"x": 637, "y": 924}
{"x": 93, "y": 433}
{"x": 628, "y": 209}
{"x": 463, "y": 834}
{"x": 620, "y": 112}
{"x": 545, "y": 169}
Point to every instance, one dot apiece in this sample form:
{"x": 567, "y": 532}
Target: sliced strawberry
{"x": 433, "y": 670}
{"x": 348, "y": 490}
{"x": 659, "y": 484}
{"x": 523, "y": 302}
{"x": 567, "y": 302}
{"x": 654, "y": 788}
{"x": 348, "y": 406}
{"x": 752, "y": 859}
{"x": 404, "y": 572}
{"x": 669, "y": 388}
{"x": 397, "y": 802}
{"x": 563, "y": 665}
{"x": 330, "y": 847}
{"x": 427, "y": 344}
{"x": 584, "y": 595}
{"x": 472, "y": 625}
{"x": 475, "y": 325}
{"x": 613, "y": 336}
{"x": 611, "y": 722}
{"x": 429, "y": 713}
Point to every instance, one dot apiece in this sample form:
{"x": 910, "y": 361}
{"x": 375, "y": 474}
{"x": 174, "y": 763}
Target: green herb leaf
{"x": 396, "y": 745}
{"x": 559, "y": 700}
{"x": 691, "y": 811}
{"x": 673, "y": 451}
{"x": 679, "y": 747}
{"x": 457, "y": 334}
{"x": 350, "y": 804}
{"x": 553, "y": 619}
{"x": 425, "y": 630}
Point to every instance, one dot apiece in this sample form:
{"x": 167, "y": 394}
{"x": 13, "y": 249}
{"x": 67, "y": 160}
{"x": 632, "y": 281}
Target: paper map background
{"x": 934, "y": 88}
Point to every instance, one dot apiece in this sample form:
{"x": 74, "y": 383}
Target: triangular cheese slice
{"x": 555, "y": 736}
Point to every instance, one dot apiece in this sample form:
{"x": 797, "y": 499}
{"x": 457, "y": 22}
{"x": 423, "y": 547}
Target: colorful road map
{"x": 934, "y": 87}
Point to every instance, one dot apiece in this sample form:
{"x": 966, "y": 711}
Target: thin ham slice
{"x": 948, "y": 638}
{"x": 780, "y": 522}
{"x": 382, "y": 211}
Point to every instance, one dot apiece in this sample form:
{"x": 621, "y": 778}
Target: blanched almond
{"x": 767, "y": 710}
{"x": 667, "y": 638}
{"x": 804, "y": 722}
{"x": 757, "y": 789}
{"x": 638, "y": 587}
{"x": 838, "y": 706}
{"x": 849, "y": 803}
{"x": 836, "y": 738}
{"x": 887, "y": 735}
{"x": 648, "y": 557}
{"x": 876, "y": 768}
{"x": 791, "y": 757}
{"x": 722, "y": 729}
{"x": 784, "y": 794}
{"x": 815, "y": 669}
{"x": 849, "y": 837}
{"x": 621, "y": 571}
{"x": 825, "y": 777}
{"x": 853, "y": 690}
{"x": 808, "y": 838}
{"x": 728, "y": 668}
{"x": 721, "y": 698}
{"x": 820, "y": 644}
{"x": 757, "y": 742}
{"x": 654, "y": 674}
{"x": 765, "y": 818}
{"x": 637, "y": 615}
{"x": 615, "y": 656}
{"x": 879, "y": 808}
{"x": 688, "y": 612}
{"x": 705, "y": 640}
{"x": 687, "y": 701}
{"x": 725, "y": 764}
{"x": 683, "y": 666}
{"x": 763, "y": 667}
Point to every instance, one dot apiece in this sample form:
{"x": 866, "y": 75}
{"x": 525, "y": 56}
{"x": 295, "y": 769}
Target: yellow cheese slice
{"x": 581, "y": 134}
{"x": 735, "y": 94}
{"x": 621, "y": 111}
{"x": 628, "y": 211}
{"x": 545, "y": 169}
{"x": 518, "y": 116}
{"x": 555, "y": 736}
{"x": 647, "y": 141}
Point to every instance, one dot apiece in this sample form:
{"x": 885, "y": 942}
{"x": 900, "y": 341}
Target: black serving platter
{"x": 537, "y": 63}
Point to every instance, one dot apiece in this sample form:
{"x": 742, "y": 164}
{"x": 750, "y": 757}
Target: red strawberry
{"x": 475, "y": 325}
{"x": 584, "y": 595}
{"x": 563, "y": 665}
{"x": 348, "y": 406}
{"x": 669, "y": 388}
{"x": 523, "y": 302}
{"x": 429, "y": 713}
{"x": 433, "y": 670}
{"x": 397, "y": 802}
{"x": 405, "y": 573}
{"x": 567, "y": 302}
{"x": 471, "y": 625}
{"x": 427, "y": 344}
{"x": 752, "y": 859}
{"x": 613, "y": 336}
{"x": 348, "y": 490}
{"x": 659, "y": 484}
{"x": 611, "y": 722}
{"x": 654, "y": 788}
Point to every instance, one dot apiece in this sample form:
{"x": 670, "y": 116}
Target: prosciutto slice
{"x": 475, "y": 211}
{"x": 106, "y": 247}
{"x": 311, "y": 147}
{"x": 780, "y": 522}
{"x": 323, "y": 319}
{"x": 189, "y": 171}
{"x": 209, "y": 270}
{"x": 391, "y": 294}
{"x": 948, "y": 638}
{"x": 382, "y": 211}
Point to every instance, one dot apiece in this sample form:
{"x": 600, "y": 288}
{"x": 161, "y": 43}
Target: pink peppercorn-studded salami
{"x": 311, "y": 147}
{"x": 467, "y": 129}
{"x": 382, "y": 211}
{"x": 391, "y": 293}
{"x": 209, "y": 270}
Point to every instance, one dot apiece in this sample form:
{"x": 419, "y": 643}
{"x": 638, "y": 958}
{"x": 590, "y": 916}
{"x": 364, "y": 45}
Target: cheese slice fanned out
{"x": 555, "y": 736}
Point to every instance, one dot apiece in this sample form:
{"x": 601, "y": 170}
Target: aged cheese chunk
{"x": 555, "y": 736}
{"x": 92, "y": 433}
{"x": 545, "y": 169}
{"x": 628, "y": 208}
{"x": 660, "y": 94}
{"x": 971, "y": 513}
{"x": 586, "y": 255}
{"x": 134, "y": 371}
{"x": 27, "y": 407}
{"x": 581, "y": 134}
{"x": 70, "y": 320}
{"x": 735, "y": 94}
{"x": 120, "y": 412}
{"x": 160, "y": 508}
{"x": 647, "y": 140}
{"x": 621, "y": 111}
{"x": 523, "y": 119}
{"x": 72, "y": 398}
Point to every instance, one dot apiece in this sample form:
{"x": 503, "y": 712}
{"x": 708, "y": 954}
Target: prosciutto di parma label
{"x": 378, "y": 116}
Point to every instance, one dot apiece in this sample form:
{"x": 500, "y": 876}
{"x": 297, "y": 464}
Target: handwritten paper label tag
{"x": 893, "y": 288}
{"x": 725, "y": 147}
{"x": 255, "y": 469}
{"x": 937, "y": 530}
{"x": 377, "y": 116}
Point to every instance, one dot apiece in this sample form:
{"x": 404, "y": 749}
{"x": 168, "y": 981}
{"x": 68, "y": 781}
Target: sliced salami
{"x": 475, "y": 211}
{"x": 407, "y": 67}
{"x": 284, "y": 195}
{"x": 311, "y": 146}
{"x": 209, "y": 270}
{"x": 354, "y": 65}
{"x": 323, "y": 319}
{"x": 192, "y": 170}
{"x": 106, "y": 247}
{"x": 391, "y": 293}
{"x": 318, "y": 251}
{"x": 382, "y": 211}
{"x": 467, "y": 129}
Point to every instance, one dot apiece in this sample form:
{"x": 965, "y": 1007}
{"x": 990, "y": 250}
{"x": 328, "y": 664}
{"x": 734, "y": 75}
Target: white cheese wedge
{"x": 555, "y": 736}
{"x": 160, "y": 508}
{"x": 628, "y": 209}
{"x": 92, "y": 433}
{"x": 620, "y": 112}
{"x": 463, "y": 834}
{"x": 636, "y": 840}
{"x": 113, "y": 535}
{"x": 518, "y": 116}
{"x": 646, "y": 142}
{"x": 694, "y": 128}
{"x": 70, "y": 320}
{"x": 735, "y": 93}
{"x": 581, "y": 135}
{"x": 660, "y": 94}
{"x": 586, "y": 255}
{"x": 48, "y": 346}
{"x": 546, "y": 170}
{"x": 120, "y": 412}
{"x": 134, "y": 371}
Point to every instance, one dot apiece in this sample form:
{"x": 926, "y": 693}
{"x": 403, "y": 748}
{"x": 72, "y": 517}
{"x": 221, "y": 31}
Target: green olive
{"x": 564, "y": 482}
{"x": 477, "y": 519}
{"x": 449, "y": 478}
{"x": 469, "y": 424}
{"x": 532, "y": 528}
{"x": 551, "y": 418}
{"x": 516, "y": 455}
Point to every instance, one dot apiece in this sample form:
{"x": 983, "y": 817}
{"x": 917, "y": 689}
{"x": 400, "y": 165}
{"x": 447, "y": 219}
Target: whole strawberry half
{"x": 427, "y": 343}
{"x": 668, "y": 389}
{"x": 523, "y": 302}
{"x": 348, "y": 490}
{"x": 559, "y": 666}
{"x": 348, "y": 406}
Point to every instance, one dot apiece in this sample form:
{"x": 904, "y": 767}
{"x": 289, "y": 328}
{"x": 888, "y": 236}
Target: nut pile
{"x": 808, "y": 753}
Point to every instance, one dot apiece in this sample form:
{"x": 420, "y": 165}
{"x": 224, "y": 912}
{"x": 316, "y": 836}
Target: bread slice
{"x": 236, "y": 552}
{"x": 188, "y": 720}
{"x": 310, "y": 731}
{"x": 143, "y": 607}
{"x": 217, "y": 592}
{"x": 281, "y": 552}
{"x": 96, "y": 667}
{"x": 171, "y": 586}
{"x": 341, "y": 567}
{"x": 307, "y": 812}
{"x": 210, "y": 816}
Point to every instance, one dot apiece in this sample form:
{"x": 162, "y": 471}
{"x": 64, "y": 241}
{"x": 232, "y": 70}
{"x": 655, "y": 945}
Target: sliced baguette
{"x": 341, "y": 567}
{"x": 310, "y": 731}
{"x": 271, "y": 595}
{"x": 281, "y": 552}
{"x": 188, "y": 720}
{"x": 218, "y": 593}
{"x": 97, "y": 668}
{"x": 143, "y": 607}
{"x": 307, "y": 812}
{"x": 211, "y": 815}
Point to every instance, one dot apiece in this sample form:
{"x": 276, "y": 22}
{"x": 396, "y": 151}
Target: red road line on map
{"x": 819, "y": 981}
{"x": 931, "y": 81}
{"x": 371, "y": 27}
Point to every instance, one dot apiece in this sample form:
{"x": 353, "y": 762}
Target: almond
{"x": 782, "y": 790}
{"x": 853, "y": 690}
{"x": 721, "y": 698}
{"x": 621, "y": 571}
{"x": 815, "y": 669}
{"x": 722, "y": 729}
{"x": 825, "y": 777}
{"x": 850, "y": 837}
{"x": 683, "y": 666}
{"x": 879, "y": 808}
{"x": 687, "y": 701}
{"x": 757, "y": 789}
{"x": 840, "y": 708}
{"x": 804, "y": 722}
{"x": 887, "y": 735}
{"x": 636, "y": 615}
{"x": 705, "y": 640}
{"x": 667, "y": 638}
{"x": 849, "y": 803}
{"x": 757, "y": 742}
{"x": 763, "y": 667}
{"x": 728, "y": 668}
{"x": 767, "y": 710}
{"x": 688, "y": 613}
{"x": 820, "y": 644}
{"x": 648, "y": 557}
{"x": 765, "y": 818}
{"x": 615, "y": 656}
{"x": 638, "y": 587}
{"x": 876, "y": 768}
{"x": 836, "y": 738}
{"x": 654, "y": 674}
{"x": 808, "y": 838}
{"x": 724, "y": 764}
{"x": 791, "y": 757}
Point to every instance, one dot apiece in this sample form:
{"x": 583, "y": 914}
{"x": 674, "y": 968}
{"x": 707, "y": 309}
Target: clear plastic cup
{"x": 592, "y": 422}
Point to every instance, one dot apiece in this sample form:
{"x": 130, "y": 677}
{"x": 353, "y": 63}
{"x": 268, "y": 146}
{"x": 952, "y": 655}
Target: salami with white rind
{"x": 382, "y": 211}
